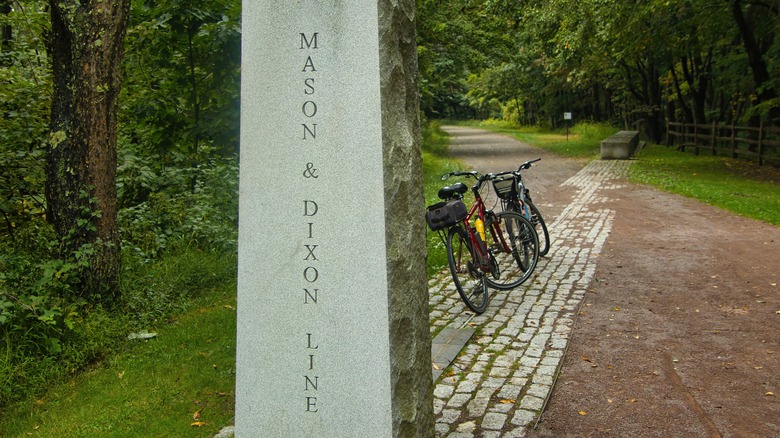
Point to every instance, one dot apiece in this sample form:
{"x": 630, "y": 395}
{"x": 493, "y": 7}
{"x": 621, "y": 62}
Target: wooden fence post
{"x": 733, "y": 141}
{"x": 712, "y": 138}
{"x": 761, "y": 143}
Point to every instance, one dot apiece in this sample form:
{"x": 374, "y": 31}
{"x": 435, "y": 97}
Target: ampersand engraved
{"x": 310, "y": 171}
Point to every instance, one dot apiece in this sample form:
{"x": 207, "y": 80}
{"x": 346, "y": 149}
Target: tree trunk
{"x": 6, "y": 31}
{"x": 86, "y": 48}
{"x": 755, "y": 57}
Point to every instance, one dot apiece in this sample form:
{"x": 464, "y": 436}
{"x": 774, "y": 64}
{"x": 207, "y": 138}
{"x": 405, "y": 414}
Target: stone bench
{"x": 620, "y": 146}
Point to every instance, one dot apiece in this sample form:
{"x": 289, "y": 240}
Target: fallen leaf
{"x": 583, "y": 413}
{"x": 436, "y": 367}
{"x": 228, "y": 306}
{"x": 770, "y": 394}
{"x": 508, "y": 401}
{"x": 120, "y": 374}
{"x": 758, "y": 368}
{"x": 586, "y": 358}
{"x": 609, "y": 400}
{"x": 198, "y": 423}
{"x": 633, "y": 400}
{"x": 196, "y": 415}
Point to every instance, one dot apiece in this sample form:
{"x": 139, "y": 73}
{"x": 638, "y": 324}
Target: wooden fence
{"x": 761, "y": 144}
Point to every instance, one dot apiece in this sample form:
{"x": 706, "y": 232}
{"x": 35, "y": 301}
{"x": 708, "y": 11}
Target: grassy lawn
{"x": 181, "y": 383}
{"x": 735, "y": 185}
{"x": 154, "y": 387}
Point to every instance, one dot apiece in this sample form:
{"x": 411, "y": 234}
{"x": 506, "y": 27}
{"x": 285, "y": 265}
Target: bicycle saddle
{"x": 449, "y": 191}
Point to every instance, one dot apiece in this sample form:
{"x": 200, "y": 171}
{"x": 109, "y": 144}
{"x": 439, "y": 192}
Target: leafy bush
{"x": 593, "y": 131}
{"x": 44, "y": 335}
{"x": 206, "y": 213}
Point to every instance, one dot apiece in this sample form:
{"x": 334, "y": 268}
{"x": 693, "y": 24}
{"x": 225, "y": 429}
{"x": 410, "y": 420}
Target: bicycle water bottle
{"x": 480, "y": 226}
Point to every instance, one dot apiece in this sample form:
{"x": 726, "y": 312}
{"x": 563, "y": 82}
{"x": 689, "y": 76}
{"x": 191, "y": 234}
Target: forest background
{"x": 626, "y": 64}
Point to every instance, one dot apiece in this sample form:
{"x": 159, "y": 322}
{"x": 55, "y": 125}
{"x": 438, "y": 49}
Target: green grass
{"x": 152, "y": 388}
{"x": 435, "y": 164}
{"x": 734, "y": 185}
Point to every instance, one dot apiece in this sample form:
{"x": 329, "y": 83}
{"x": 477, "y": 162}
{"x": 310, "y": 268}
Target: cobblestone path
{"x": 499, "y": 383}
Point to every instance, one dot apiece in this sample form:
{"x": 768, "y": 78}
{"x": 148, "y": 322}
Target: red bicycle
{"x": 484, "y": 248}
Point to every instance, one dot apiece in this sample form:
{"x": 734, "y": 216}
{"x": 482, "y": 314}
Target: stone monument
{"x": 333, "y": 331}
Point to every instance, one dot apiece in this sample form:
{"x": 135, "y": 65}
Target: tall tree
{"x": 86, "y": 46}
{"x": 750, "y": 18}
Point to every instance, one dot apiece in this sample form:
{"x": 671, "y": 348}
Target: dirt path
{"x": 679, "y": 334}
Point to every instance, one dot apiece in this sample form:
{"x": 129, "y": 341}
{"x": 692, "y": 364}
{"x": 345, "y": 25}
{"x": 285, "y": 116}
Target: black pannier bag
{"x": 445, "y": 214}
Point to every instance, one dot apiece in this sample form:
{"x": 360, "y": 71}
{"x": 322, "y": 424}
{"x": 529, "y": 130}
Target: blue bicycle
{"x": 514, "y": 195}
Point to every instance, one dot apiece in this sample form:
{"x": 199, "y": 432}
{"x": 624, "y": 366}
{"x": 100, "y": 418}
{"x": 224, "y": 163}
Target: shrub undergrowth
{"x": 178, "y": 240}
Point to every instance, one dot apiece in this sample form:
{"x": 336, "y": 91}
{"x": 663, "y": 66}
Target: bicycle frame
{"x": 481, "y": 250}
{"x": 521, "y": 194}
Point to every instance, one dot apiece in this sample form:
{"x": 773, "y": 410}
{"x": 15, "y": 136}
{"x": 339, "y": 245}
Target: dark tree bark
{"x": 755, "y": 55}
{"x": 86, "y": 47}
{"x": 6, "y": 31}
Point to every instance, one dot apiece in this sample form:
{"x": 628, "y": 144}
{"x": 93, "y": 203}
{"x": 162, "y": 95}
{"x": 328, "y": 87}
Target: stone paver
{"x": 499, "y": 383}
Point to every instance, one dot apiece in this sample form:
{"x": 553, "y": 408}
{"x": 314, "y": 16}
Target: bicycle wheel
{"x": 468, "y": 279}
{"x": 538, "y": 221}
{"x": 515, "y": 252}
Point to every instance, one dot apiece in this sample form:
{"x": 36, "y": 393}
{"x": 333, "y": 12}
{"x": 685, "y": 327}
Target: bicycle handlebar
{"x": 489, "y": 176}
{"x": 472, "y": 173}
{"x": 527, "y": 164}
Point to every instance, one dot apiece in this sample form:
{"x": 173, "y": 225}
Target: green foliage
{"x": 602, "y": 60}
{"x": 593, "y": 131}
{"x": 43, "y": 336}
{"x": 207, "y": 215}
{"x": 25, "y": 90}
{"x": 182, "y": 73}
{"x": 177, "y": 187}
{"x": 435, "y": 164}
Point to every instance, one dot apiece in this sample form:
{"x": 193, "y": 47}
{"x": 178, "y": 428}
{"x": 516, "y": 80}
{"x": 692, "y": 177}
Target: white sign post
{"x": 567, "y": 116}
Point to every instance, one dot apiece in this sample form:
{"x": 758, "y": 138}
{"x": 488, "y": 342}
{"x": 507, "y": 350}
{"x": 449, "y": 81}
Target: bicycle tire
{"x": 468, "y": 279}
{"x": 538, "y": 221}
{"x": 516, "y": 265}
